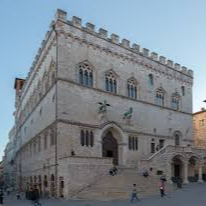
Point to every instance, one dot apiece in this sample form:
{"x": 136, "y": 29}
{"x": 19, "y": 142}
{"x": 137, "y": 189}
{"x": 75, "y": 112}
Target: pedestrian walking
{"x": 35, "y": 197}
{"x": 162, "y": 188}
{"x": 18, "y": 196}
{"x": 134, "y": 193}
{"x": 1, "y": 197}
{"x": 8, "y": 190}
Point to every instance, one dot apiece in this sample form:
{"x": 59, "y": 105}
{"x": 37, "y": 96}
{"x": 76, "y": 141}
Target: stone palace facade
{"x": 90, "y": 101}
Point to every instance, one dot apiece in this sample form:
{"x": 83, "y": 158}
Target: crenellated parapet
{"x": 61, "y": 16}
{"x": 114, "y": 38}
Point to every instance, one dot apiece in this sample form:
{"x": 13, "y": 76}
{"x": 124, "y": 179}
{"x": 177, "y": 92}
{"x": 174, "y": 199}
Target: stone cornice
{"x": 100, "y": 126}
{"x": 122, "y": 96}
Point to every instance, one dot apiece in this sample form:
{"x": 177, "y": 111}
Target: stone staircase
{"x": 120, "y": 186}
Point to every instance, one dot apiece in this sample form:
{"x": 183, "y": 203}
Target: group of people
{"x": 33, "y": 195}
{"x": 113, "y": 171}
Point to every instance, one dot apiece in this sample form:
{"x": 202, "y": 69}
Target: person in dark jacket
{"x": 1, "y": 197}
{"x": 34, "y": 196}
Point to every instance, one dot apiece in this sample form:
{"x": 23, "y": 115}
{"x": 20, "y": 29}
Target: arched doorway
{"x": 110, "y": 147}
{"x": 193, "y": 164}
{"x": 177, "y": 167}
{"x": 52, "y": 186}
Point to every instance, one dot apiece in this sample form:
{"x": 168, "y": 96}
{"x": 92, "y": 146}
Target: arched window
{"x": 45, "y": 181}
{"x": 177, "y": 137}
{"x": 177, "y": 140}
{"x": 110, "y": 82}
{"x": 136, "y": 144}
{"x": 183, "y": 90}
{"x": 132, "y": 88}
{"x": 52, "y": 178}
{"x": 39, "y": 144}
{"x": 91, "y": 139}
{"x": 52, "y": 136}
{"x": 85, "y": 74}
{"x": 82, "y": 138}
{"x": 133, "y": 143}
{"x": 130, "y": 143}
{"x": 150, "y": 81}
{"x": 160, "y": 97}
{"x": 115, "y": 86}
{"x": 87, "y": 138}
{"x": 90, "y": 79}
{"x": 175, "y": 101}
{"x": 53, "y": 77}
{"x": 80, "y": 76}
{"x": 106, "y": 84}
{"x": 45, "y": 140}
{"x": 86, "y": 78}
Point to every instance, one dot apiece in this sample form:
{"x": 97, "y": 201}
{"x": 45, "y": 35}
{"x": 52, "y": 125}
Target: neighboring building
{"x": 1, "y": 173}
{"x": 90, "y": 101}
{"x": 199, "y": 122}
{"x": 9, "y": 154}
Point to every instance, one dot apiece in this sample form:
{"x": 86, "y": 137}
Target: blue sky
{"x": 175, "y": 29}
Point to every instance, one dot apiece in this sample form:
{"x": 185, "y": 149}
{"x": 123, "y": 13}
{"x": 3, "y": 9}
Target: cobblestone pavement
{"x": 192, "y": 195}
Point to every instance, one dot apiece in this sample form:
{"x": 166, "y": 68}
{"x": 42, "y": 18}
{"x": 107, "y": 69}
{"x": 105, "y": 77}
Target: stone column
{"x": 186, "y": 173}
{"x": 200, "y": 180}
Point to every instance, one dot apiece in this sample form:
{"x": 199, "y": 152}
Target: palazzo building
{"x": 90, "y": 101}
{"x": 199, "y": 122}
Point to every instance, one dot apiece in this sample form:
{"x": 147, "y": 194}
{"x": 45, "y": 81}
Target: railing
{"x": 172, "y": 148}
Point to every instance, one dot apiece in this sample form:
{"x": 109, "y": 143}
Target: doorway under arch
{"x": 110, "y": 147}
{"x": 177, "y": 167}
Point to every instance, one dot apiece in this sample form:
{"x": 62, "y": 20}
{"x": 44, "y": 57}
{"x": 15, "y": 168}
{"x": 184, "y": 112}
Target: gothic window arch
{"x": 82, "y": 138}
{"x": 175, "y": 101}
{"x": 45, "y": 139}
{"x": 52, "y": 73}
{"x": 160, "y": 97}
{"x": 183, "y": 90}
{"x": 85, "y": 74}
{"x": 87, "y": 138}
{"x": 132, "y": 88}
{"x": 177, "y": 138}
{"x": 133, "y": 143}
{"x": 45, "y": 83}
{"x": 91, "y": 139}
{"x": 150, "y": 81}
{"x": 52, "y": 136}
{"x": 111, "y": 82}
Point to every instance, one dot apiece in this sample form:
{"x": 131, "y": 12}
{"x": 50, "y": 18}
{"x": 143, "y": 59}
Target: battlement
{"x": 103, "y": 34}
{"x": 114, "y": 38}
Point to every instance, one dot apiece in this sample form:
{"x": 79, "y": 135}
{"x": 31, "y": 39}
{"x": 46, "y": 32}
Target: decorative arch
{"x": 160, "y": 96}
{"x": 178, "y": 161}
{"x": 85, "y": 71}
{"x": 52, "y": 72}
{"x": 177, "y": 136}
{"x": 175, "y": 101}
{"x": 116, "y": 129}
{"x": 111, "y": 81}
{"x": 112, "y": 138}
{"x": 132, "y": 88}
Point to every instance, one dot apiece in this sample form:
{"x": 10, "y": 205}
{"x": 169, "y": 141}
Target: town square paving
{"x": 192, "y": 195}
